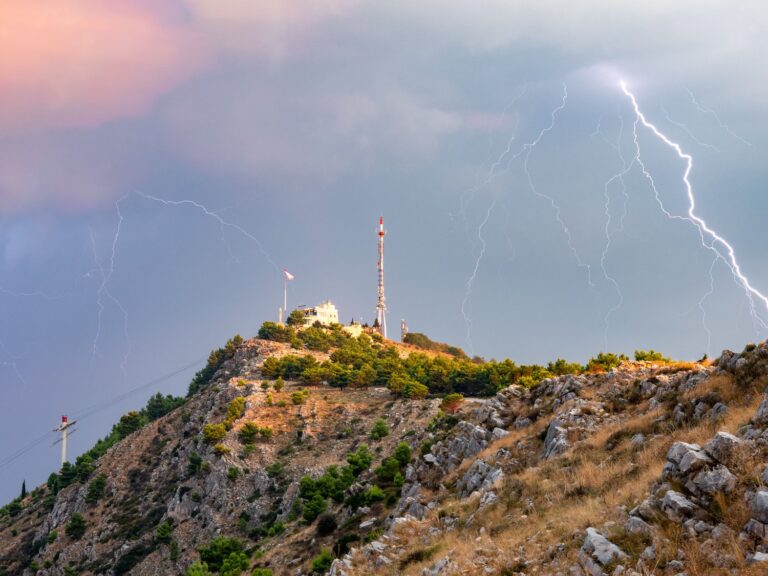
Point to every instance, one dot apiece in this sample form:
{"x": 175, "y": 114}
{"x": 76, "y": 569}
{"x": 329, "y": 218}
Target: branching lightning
{"x": 710, "y": 239}
{"x": 223, "y": 223}
{"x": 688, "y": 131}
{"x": 617, "y": 177}
{"x": 104, "y": 291}
{"x": 720, "y": 123}
{"x": 526, "y": 153}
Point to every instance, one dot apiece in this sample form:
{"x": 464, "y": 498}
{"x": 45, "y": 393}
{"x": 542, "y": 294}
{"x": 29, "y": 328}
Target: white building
{"x": 326, "y": 313}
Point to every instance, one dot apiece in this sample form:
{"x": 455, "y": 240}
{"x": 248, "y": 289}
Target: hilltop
{"x": 355, "y": 456}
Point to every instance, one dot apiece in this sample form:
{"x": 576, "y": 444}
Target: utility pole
{"x": 64, "y": 428}
{"x": 381, "y": 304}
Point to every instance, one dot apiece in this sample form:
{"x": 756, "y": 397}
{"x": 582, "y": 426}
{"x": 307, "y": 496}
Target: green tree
{"x": 403, "y": 454}
{"x": 164, "y": 531}
{"x": 130, "y": 423}
{"x": 296, "y": 318}
{"x": 315, "y": 506}
{"x": 364, "y": 377}
{"x": 234, "y": 564}
{"x": 219, "y": 550}
{"x": 96, "y": 489}
{"x": 650, "y": 356}
{"x": 322, "y": 562}
{"x": 379, "y": 430}
{"x": 23, "y": 489}
{"x": 279, "y": 384}
{"x": 213, "y": 433}
{"x": 360, "y": 459}
{"x": 198, "y": 569}
{"x": 75, "y": 527}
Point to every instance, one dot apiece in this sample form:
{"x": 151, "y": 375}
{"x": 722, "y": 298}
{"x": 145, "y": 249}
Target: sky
{"x": 161, "y": 163}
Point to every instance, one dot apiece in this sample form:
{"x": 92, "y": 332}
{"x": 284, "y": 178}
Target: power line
{"x": 95, "y": 408}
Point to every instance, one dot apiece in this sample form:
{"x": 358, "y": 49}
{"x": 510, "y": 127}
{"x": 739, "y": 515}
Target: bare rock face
{"x": 710, "y": 482}
{"x": 723, "y": 446}
{"x": 677, "y": 507}
{"x": 480, "y": 477}
{"x": 597, "y": 551}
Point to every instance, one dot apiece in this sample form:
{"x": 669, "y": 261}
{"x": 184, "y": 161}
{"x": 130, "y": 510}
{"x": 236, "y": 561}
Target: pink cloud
{"x": 84, "y": 62}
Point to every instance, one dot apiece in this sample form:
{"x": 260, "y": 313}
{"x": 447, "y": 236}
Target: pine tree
{"x": 23, "y": 489}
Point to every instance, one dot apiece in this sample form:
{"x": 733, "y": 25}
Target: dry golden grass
{"x": 543, "y": 505}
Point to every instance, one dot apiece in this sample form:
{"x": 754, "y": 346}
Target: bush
{"x": 214, "y": 433}
{"x": 605, "y": 362}
{"x": 279, "y": 384}
{"x": 403, "y": 454}
{"x": 52, "y": 535}
{"x": 195, "y": 464}
{"x": 96, "y": 489}
{"x": 322, "y": 562}
{"x": 360, "y": 460}
{"x": 650, "y": 356}
{"x": 262, "y": 572}
{"x": 451, "y": 403}
{"x": 250, "y": 431}
{"x": 374, "y": 494}
{"x": 300, "y": 396}
{"x": 221, "y": 450}
{"x": 164, "y": 531}
{"x": 198, "y": 569}
{"x": 233, "y": 473}
{"x": 234, "y": 564}
{"x": 218, "y": 550}
{"x": 235, "y": 411}
{"x": 379, "y": 429}
{"x": 315, "y": 506}
{"x": 326, "y": 524}
{"x": 75, "y": 527}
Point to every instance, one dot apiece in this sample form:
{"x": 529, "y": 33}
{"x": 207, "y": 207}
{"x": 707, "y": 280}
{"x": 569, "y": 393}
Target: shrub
{"x": 218, "y": 550}
{"x": 322, "y": 562}
{"x": 235, "y": 411}
{"x": 233, "y": 473}
{"x": 403, "y": 454}
{"x": 650, "y": 356}
{"x": 262, "y": 572}
{"x": 96, "y": 489}
{"x": 234, "y": 564}
{"x": 221, "y": 450}
{"x": 195, "y": 464}
{"x": 300, "y": 396}
{"x": 360, "y": 460}
{"x": 214, "y": 433}
{"x": 451, "y": 403}
{"x": 198, "y": 569}
{"x": 52, "y": 535}
{"x": 75, "y": 527}
{"x": 379, "y": 429}
{"x": 326, "y": 524}
{"x": 279, "y": 384}
{"x": 374, "y": 494}
{"x": 315, "y": 506}
{"x": 164, "y": 531}
{"x": 276, "y": 332}
{"x": 265, "y": 385}
{"x": 250, "y": 431}
{"x": 605, "y": 362}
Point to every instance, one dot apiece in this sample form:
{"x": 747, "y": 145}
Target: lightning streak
{"x": 104, "y": 291}
{"x": 717, "y": 244}
{"x": 687, "y": 130}
{"x": 714, "y": 115}
{"x": 470, "y": 282}
{"x": 617, "y": 177}
{"x": 223, "y": 223}
{"x": 526, "y": 152}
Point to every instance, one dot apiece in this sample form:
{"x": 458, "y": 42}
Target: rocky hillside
{"x": 649, "y": 468}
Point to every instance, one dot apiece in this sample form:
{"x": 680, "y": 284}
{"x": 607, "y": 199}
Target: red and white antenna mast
{"x": 65, "y": 432}
{"x": 381, "y": 303}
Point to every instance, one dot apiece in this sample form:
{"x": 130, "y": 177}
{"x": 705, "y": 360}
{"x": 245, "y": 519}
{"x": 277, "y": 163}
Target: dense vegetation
{"x": 366, "y": 361}
{"x": 423, "y": 341}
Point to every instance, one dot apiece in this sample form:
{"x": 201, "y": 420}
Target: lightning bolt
{"x": 104, "y": 291}
{"x": 224, "y": 224}
{"x": 11, "y": 362}
{"x": 688, "y": 131}
{"x": 718, "y": 245}
{"x": 720, "y": 123}
{"x": 617, "y": 177}
{"x": 465, "y": 303}
{"x": 527, "y": 149}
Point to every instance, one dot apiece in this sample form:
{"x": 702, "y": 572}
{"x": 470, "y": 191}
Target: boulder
{"x": 722, "y": 446}
{"x": 760, "y": 506}
{"x": 717, "y": 480}
{"x": 761, "y": 416}
{"x": 677, "y": 507}
{"x": 599, "y": 549}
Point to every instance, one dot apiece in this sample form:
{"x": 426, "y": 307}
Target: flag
{"x": 288, "y": 275}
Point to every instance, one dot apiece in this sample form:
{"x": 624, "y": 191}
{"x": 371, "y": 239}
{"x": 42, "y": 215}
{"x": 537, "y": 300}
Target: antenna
{"x": 64, "y": 428}
{"x": 381, "y": 304}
